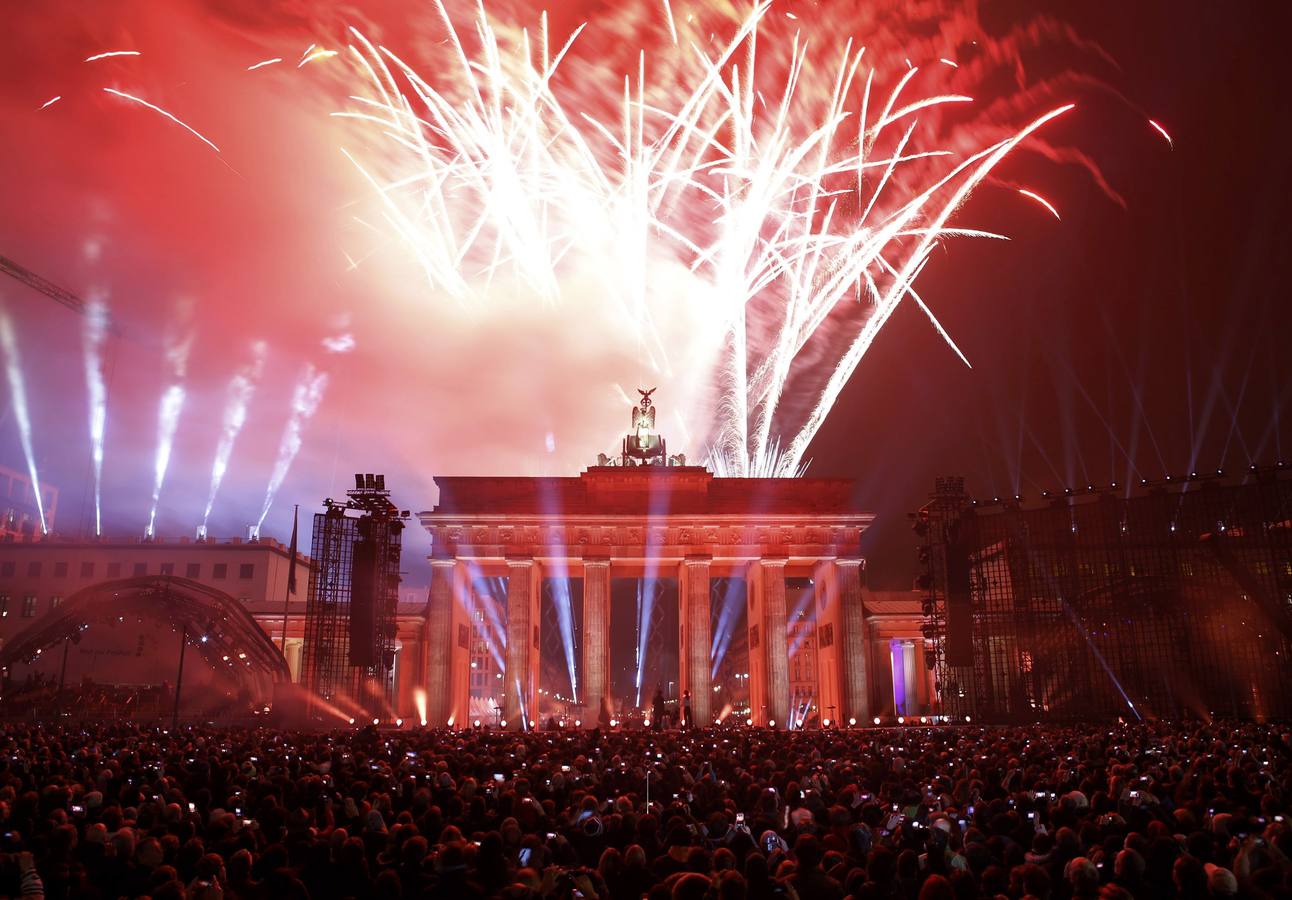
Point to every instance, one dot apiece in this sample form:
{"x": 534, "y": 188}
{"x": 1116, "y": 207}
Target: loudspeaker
{"x": 363, "y": 591}
{"x": 959, "y": 640}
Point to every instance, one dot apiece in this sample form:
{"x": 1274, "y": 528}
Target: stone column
{"x": 694, "y": 654}
{"x": 596, "y": 639}
{"x": 438, "y": 642}
{"x": 910, "y": 674}
{"x": 856, "y": 659}
{"x": 520, "y": 678}
{"x": 775, "y": 640}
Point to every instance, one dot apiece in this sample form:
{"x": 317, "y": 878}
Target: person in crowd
{"x": 1154, "y": 811}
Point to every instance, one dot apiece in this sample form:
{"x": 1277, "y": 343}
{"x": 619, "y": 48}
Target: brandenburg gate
{"x": 612, "y": 522}
{"x": 647, "y": 513}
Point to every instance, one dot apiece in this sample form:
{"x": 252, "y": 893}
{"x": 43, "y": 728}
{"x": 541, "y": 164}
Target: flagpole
{"x": 291, "y": 578}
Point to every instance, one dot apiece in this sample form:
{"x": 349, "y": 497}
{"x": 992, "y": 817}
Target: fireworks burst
{"x": 305, "y": 402}
{"x": 18, "y": 398}
{"x": 172, "y": 404}
{"x": 93, "y": 335}
{"x": 805, "y": 193}
{"x": 242, "y": 387}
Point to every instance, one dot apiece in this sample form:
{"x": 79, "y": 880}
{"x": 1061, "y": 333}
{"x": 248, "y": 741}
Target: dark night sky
{"x": 1118, "y": 341}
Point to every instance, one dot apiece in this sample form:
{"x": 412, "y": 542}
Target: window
{"x": 114, "y": 570}
{"x": 246, "y": 570}
{"x": 168, "y": 568}
{"x": 4, "y": 606}
{"x": 60, "y": 570}
{"x": 141, "y": 568}
{"x": 54, "y": 601}
{"x": 33, "y": 570}
{"x": 29, "y": 606}
{"x": 220, "y": 570}
{"x": 87, "y": 570}
{"x": 193, "y": 570}
{"x": 6, "y": 569}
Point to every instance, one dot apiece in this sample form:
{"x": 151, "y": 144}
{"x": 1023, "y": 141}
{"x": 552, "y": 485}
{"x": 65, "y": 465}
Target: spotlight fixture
{"x": 503, "y": 723}
{"x": 852, "y": 720}
{"x": 876, "y": 720}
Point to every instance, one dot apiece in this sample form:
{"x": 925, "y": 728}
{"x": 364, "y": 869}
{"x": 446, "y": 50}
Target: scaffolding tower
{"x": 1173, "y": 603}
{"x": 349, "y": 653}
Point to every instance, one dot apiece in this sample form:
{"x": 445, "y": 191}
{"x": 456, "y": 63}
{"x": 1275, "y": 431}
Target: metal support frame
{"x": 1097, "y": 604}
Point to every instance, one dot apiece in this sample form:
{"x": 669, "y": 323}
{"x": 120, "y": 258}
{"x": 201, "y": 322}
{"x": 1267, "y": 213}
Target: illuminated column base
{"x": 855, "y": 640}
{"x": 596, "y": 641}
{"x": 520, "y": 675}
{"x": 769, "y": 681}
{"x": 694, "y": 672}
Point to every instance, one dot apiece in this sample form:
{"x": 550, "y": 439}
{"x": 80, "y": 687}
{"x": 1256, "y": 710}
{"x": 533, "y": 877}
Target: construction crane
{"x": 44, "y": 285}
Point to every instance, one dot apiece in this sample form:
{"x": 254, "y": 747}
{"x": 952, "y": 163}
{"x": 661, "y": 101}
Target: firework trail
{"x": 172, "y": 403}
{"x": 803, "y": 194}
{"x": 1031, "y": 195}
{"x": 108, "y": 54}
{"x": 51, "y": 101}
{"x": 157, "y": 109}
{"x": 242, "y": 387}
{"x": 1162, "y": 131}
{"x": 305, "y": 402}
{"x": 18, "y": 397}
{"x": 93, "y": 335}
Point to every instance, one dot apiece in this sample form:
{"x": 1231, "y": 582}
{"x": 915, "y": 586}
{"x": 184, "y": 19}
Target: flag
{"x": 291, "y": 555}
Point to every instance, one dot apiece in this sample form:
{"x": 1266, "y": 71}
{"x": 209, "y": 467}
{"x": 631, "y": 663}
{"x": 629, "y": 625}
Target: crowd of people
{"x": 40, "y": 696}
{"x": 1150, "y": 811}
